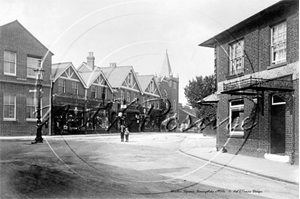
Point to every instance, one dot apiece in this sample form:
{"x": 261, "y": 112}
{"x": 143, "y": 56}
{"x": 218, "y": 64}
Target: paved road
{"x": 149, "y": 166}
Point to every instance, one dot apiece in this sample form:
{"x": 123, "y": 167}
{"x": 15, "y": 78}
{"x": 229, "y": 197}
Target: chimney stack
{"x": 112, "y": 64}
{"x": 91, "y": 60}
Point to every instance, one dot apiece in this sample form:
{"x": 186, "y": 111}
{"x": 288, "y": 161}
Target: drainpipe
{"x": 292, "y": 161}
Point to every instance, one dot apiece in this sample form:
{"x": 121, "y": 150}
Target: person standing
{"x": 126, "y": 134}
{"x": 122, "y": 132}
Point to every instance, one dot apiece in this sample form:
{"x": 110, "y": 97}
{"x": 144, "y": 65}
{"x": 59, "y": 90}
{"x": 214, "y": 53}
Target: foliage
{"x": 196, "y": 90}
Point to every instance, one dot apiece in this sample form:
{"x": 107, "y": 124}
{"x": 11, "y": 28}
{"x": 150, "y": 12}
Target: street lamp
{"x": 39, "y": 79}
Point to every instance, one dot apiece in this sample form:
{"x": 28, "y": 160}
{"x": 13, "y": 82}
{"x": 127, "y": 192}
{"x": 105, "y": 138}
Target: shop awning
{"x": 252, "y": 86}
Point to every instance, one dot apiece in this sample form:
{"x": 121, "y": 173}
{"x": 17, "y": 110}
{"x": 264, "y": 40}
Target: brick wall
{"x": 296, "y": 120}
{"x": 257, "y": 58}
{"x": 14, "y": 37}
{"x": 21, "y": 126}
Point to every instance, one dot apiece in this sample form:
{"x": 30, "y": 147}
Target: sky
{"x": 132, "y": 32}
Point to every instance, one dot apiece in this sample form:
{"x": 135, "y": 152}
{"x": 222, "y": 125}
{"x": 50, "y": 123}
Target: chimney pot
{"x": 113, "y": 65}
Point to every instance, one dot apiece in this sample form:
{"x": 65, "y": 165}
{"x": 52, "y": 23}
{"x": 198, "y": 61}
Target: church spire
{"x": 166, "y": 70}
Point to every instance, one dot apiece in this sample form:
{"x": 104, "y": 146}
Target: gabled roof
{"x": 59, "y": 68}
{"x": 84, "y": 67}
{"x": 20, "y": 25}
{"x": 145, "y": 80}
{"x": 89, "y": 76}
{"x": 116, "y": 75}
{"x": 188, "y": 112}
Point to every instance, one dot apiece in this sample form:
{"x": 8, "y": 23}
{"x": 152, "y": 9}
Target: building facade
{"x": 68, "y": 96}
{"x": 95, "y": 98}
{"x": 20, "y": 54}
{"x": 257, "y": 71}
{"x": 150, "y": 99}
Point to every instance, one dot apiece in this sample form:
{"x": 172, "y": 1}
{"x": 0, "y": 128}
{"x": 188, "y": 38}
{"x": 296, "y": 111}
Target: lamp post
{"x": 39, "y": 72}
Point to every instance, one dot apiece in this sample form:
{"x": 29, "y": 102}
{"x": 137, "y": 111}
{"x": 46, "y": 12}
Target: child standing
{"x": 126, "y": 134}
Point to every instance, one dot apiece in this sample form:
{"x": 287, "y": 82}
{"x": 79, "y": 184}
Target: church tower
{"x": 169, "y": 85}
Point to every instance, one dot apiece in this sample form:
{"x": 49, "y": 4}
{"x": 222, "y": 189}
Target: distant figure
{"x": 122, "y": 133}
{"x": 182, "y": 127}
{"x": 126, "y": 134}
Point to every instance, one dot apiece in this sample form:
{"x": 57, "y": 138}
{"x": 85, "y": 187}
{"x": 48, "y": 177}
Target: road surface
{"x": 150, "y": 165}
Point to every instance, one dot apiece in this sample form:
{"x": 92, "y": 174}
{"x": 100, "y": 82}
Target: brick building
{"x": 127, "y": 88}
{"x": 151, "y": 96}
{"x": 257, "y": 71}
{"x": 20, "y": 53}
{"x": 68, "y": 89}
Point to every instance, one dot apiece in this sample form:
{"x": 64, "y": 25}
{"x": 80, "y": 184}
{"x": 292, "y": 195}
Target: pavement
{"x": 202, "y": 147}
{"x": 262, "y": 167}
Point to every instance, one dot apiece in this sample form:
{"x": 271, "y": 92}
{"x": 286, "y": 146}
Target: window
{"x": 9, "y": 63}
{"x": 236, "y": 64}
{"x": 93, "y": 92}
{"x": 236, "y": 117}
{"x": 170, "y": 83}
{"x": 32, "y": 64}
{"x": 104, "y": 93}
{"x": 128, "y": 97}
{"x": 135, "y": 96}
{"x": 61, "y": 86}
{"x": 30, "y": 107}
{"x": 276, "y": 100}
{"x": 9, "y": 109}
{"x": 174, "y": 85}
{"x": 151, "y": 87}
{"x": 278, "y": 43}
{"x": 130, "y": 79}
{"x": 122, "y": 95}
{"x": 75, "y": 88}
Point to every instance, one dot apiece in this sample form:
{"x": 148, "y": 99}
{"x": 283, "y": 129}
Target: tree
{"x": 196, "y": 90}
{"x": 199, "y": 88}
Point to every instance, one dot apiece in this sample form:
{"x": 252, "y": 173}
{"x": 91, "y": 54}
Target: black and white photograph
{"x": 146, "y": 99}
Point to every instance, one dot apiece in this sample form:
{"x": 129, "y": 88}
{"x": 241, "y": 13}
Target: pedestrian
{"x": 126, "y": 134}
{"x": 122, "y": 132}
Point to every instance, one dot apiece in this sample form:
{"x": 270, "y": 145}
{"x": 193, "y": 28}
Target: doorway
{"x": 278, "y": 108}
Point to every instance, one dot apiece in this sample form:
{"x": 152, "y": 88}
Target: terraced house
{"x": 68, "y": 93}
{"x": 20, "y": 55}
{"x": 257, "y": 70}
